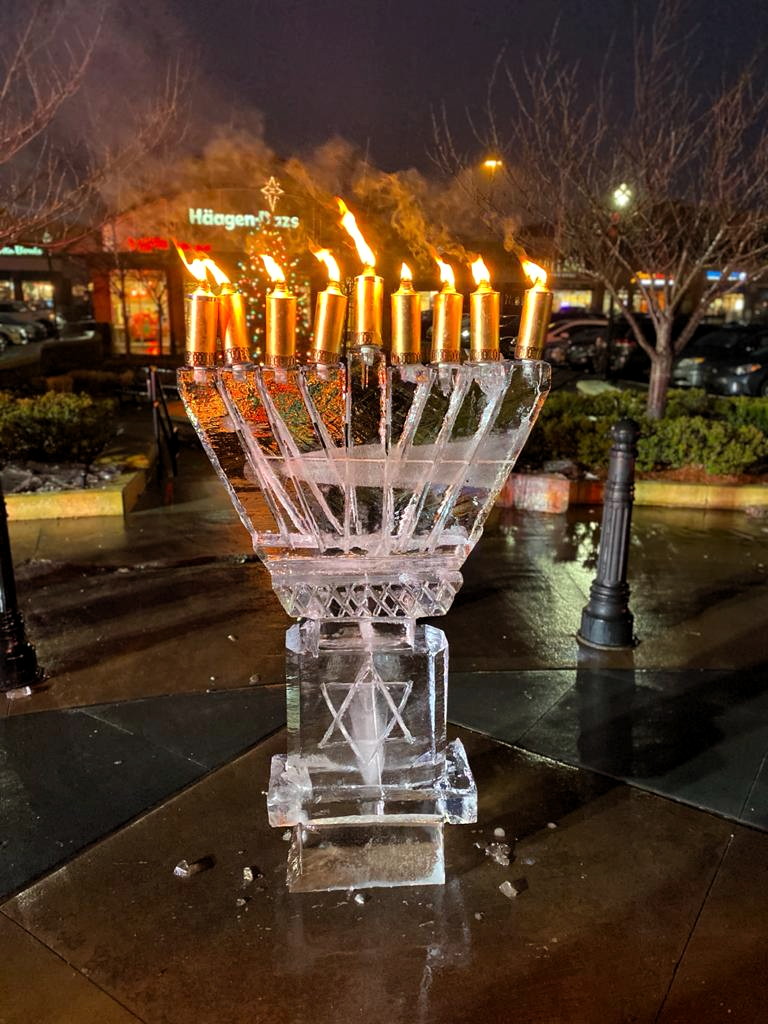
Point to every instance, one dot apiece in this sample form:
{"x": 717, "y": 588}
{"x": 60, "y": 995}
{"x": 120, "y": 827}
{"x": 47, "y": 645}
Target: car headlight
{"x": 746, "y": 368}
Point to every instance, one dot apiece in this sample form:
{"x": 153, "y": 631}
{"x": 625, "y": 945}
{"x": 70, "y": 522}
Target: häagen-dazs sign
{"x": 209, "y": 218}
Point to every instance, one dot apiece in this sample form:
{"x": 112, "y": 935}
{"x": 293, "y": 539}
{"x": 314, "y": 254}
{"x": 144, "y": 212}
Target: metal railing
{"x": 166, "y": 434}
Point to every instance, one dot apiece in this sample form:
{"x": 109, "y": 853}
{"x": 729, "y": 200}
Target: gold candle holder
{"x": 280, "y": 344}
{"x": 368, "y": 296}
{"x": 535, "y": 316}
{"x": 201, "y": 322}
{"x": 280, "y": 347}
{"x": 233, "y": 327}
{"x": 330, "y": 311}
{"x": 483, "y": 317}
{"x": 406, "y": 321}
{"x": 446, "y": 318}
{"x": 368, "y": 308}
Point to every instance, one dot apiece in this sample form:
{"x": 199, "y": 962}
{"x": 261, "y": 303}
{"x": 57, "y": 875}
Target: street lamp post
{"x": 621, "y": 197}
{"x": 606, "y": 621}
{"x": 19, "y": 670}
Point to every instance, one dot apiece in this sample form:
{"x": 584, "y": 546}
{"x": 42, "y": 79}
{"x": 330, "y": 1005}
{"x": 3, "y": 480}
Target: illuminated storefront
{"x": 139, "y": 308}
{"x": 577, "y": 299}
{"x": 731, "y": 306}
{"x": 45, "y": 281}
{"x": 138, "y": 279}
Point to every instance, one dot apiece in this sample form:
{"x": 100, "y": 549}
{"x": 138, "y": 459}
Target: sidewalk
{"x": 164, "y": 643}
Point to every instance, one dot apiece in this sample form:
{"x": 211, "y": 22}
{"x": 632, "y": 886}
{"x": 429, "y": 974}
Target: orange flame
{"x": 447, "y": 275}
{"x": 196, "y": 267}
{"x": 348, "y": 222}
{"x": 406, "y": 274}
{"x": 535, "y": 273}
{"x": 215, "y": 271}
{"x": 325, "y": 256}
{"x": 480, "y": 272}
{"x": 273, "y": 268}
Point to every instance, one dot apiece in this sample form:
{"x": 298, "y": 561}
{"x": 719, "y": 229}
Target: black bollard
{"x": 607, "y": 622}
{"x": 18, "y": 661}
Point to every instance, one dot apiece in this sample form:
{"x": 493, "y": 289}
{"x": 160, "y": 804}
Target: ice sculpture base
{"x": 369, "y": 778}
{"x": 357, "y": 857}
{"x": 342, "y": 838}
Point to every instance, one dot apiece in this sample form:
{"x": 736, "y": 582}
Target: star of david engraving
{"x": 368, "y": 695}
{"x": 272, "y": 192}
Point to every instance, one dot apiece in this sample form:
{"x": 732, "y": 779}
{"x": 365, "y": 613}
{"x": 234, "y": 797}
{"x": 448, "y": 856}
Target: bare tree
{"x": 654, "y": 183}
{"x": 46, "y": 183}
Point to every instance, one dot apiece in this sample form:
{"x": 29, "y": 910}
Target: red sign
{"x": 150, "y": 243}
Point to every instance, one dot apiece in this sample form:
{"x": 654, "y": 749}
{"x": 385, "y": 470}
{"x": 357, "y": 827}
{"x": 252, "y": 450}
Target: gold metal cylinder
{"x": 406, "y": 324}
{"x": 446, "y": 326}
{"x": 534, "y": 323}
{"x": 233, "y": 327}
{"x": 484, "y": 324}
{"x": 367, "y": 309}
{"x": 280, "y": 348}
{"x": 330, "y": 310}
{"x": 202, "y": 310}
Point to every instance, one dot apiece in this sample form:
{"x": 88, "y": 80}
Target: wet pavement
{"x": 151, "y": 743}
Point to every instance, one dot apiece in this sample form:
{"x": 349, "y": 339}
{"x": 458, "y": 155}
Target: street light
{"x": 492, "y": 164}
{"x": 622, "y": 196}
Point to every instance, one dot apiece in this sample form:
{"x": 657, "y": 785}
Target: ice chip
{"x": 185, "y": 868}
{"x": 513, "y": 889}
{"x": 498, "y": 852}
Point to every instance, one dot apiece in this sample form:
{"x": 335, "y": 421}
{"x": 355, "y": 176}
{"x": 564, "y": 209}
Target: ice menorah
{"x": 364, "y": 484}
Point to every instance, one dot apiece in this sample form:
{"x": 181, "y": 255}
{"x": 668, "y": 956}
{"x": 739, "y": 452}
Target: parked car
{"x": 21, "y": 331}
{"x": 588, "y": 348}
{"x": 12, "y": 333}
{"x": 742, "y": 374}
{"x": 732, "y": 345}
{"x": 562, "y": 332}
{"x": 50, "y": 321}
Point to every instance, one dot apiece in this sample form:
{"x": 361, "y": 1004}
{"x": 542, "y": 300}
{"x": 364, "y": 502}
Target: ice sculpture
{"x": 364, "y": 488}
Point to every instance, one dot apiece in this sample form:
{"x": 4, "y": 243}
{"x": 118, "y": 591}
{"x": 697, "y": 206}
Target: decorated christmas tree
{"x": 254, "y": 283}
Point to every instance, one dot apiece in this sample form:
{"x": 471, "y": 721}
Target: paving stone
{"x": 613, "y": 893}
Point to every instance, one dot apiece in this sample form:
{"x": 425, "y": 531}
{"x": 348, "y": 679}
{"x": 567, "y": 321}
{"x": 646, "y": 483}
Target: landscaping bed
{"x": 708, "y": 452}
{"x": 59, "y": 458}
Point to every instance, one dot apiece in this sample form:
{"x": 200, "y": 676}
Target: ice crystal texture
{"x": 364, "y": 488}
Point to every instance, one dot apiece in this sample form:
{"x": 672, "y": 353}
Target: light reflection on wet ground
{"x": 111, "y": 604}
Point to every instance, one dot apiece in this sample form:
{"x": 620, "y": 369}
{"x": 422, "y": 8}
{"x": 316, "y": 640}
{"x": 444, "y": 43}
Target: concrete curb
{"x": 551, "y": 492}
{"x": 113, "y": 499}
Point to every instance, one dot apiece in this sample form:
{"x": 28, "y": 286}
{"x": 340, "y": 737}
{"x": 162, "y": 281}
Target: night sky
{"x": 373, "y": 71}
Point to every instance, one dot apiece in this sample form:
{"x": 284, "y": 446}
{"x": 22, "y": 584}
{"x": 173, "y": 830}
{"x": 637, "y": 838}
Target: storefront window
{"x": 140, "y": 311}
{"x": 38, "y": 294}
{"x": 6, "y": 290}
{"x": 577, "y": 299}
{"x": 728, "y": 307}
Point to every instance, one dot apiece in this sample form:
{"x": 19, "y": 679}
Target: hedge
{"x": 721, "y": 435}
{"x": 54, "y": 428}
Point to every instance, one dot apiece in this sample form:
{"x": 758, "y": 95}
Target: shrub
{"x": 751, "y": 412}
{"x": 720, "y": 447}
{"x": 54, "y": 427}
{"x": 723, "y": 435}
